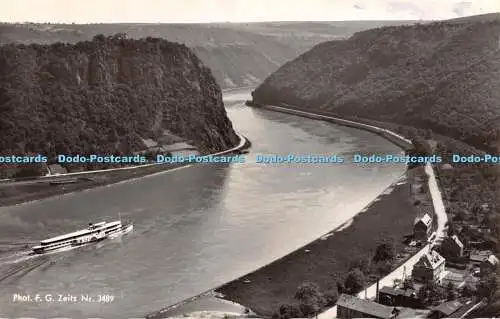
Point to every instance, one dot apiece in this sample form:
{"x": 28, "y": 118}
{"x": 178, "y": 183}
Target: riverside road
{"x": 437, "y": 201}
{"x": 195, "y": 228}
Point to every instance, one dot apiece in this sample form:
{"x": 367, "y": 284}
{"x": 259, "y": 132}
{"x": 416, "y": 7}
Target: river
{"x": 198, "y": 227}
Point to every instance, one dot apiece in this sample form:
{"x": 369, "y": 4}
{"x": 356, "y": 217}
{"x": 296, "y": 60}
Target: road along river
{"x": 195, "y": 228}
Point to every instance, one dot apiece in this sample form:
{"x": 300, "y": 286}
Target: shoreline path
{"x": 398, "y": 273}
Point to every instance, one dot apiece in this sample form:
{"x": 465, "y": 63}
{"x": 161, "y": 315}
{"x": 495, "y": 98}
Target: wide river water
{"x": 198, "y": 227}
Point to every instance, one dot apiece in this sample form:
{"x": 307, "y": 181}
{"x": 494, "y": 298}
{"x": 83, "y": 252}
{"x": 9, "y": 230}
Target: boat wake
{"x": 16, "y": 260}
{"x": 20, "y": 265}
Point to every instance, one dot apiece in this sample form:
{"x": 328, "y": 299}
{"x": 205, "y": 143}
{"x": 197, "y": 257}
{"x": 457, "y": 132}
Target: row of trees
{"x": 310, "y": 299}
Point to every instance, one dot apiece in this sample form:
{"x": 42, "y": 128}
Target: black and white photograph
{"x": 267, "y": 159}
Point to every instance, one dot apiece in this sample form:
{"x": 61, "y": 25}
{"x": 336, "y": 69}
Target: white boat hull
{"x": 123, "y": 229}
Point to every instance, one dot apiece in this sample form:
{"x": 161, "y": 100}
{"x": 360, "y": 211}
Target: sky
{"x": 184, "y": 11}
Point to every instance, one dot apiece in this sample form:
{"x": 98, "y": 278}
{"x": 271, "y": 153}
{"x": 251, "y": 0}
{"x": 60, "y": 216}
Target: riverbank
{"x": 327, "y": 260}
{"x": 389, "y": 135}
{"x": 204, "y": 305}
{"x": 21, "y": 192}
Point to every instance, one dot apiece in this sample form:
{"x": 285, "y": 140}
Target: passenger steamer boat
{"x": 93, "y": 233}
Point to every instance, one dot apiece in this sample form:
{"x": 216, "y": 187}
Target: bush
{"x": 31, "y": 171}
{"x": 361, "y": 264}
{"x": 488, "y": 285}
{"x": 310, "y": 297}
{"x": 385, "y": 252}
{"x": 331, "y": 297}
{"x": 431, "y": 293}
{"x": 287, "y": 311}
{"x": 355, "y": 281}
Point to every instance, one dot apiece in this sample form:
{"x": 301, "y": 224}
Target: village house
{"x": 451, "y": 309}
{"x": 56, "y": 169}
{"x": 398, "y": 297}
{"x": 476, "y": 257}
{"x": 430, "y": 267}
{"x": 484, "y": 259}
{"x": 452, "y": 248}
{"x": 422, "y": 227}
{"x": 353, "y": 307}
{"x": 455, "y": 278}
{"x": 489, "y": 264}
{"x": 445, "y": 310}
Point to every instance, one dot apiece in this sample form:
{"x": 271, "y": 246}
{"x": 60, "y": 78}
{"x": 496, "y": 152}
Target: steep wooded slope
{"x": 106, "y": 96}
{"x": 443, "y": 76}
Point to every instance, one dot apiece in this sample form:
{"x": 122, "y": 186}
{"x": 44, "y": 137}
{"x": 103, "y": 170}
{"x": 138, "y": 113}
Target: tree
{"x": 385, "y": 251}
{"x": 451, "y": 293}
{"x": 354, "y": 282}
{"x": 488, "y": 285}
{"x": 408, "y": 283}
{"x": 331, "y": 296}
{"x": 151, "y": 155}
{"x": 31, "y": 170}
{"x": 99, "y": 38}
{"x": 431, "y": 293}
{"x": 287, "y": 312}
{"x": 361, "y": 264}
{"x": 310, "y": 297}
{"x": 340, "y": 287}
{"x": 451, "y": 228}
{"x": 421, "y": 147}
{"x": 466, "y": 291}
{"x": 492, "y": 292}
{"x": 120, "y": 36}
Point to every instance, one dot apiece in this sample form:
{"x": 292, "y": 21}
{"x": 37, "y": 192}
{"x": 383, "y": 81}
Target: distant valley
{"x": 238, "y": 54}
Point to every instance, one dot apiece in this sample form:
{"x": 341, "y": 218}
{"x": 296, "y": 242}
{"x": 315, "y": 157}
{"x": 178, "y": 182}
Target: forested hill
{"x": 239, "y": 54}
{"x": 107, "y": 96}
{"x": 443, "y": 76}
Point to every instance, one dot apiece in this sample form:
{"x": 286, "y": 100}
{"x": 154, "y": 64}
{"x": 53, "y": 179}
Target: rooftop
{"x": 365, "y": 306}
{"x": 412, "y": 313}
{"x": 457, "y": 241}
{"x": 397, "y": 291}
{"x": 56, "y": 168}
{"x": 480, "y": 255}
{"x": 464, "y": 309}
{"x": 493, "y": 260}
{"x": 431, "y": 259}
{"x": 453, "y": 276}
{"x": 426, "y": 220}
{"x": 448, "y": 307}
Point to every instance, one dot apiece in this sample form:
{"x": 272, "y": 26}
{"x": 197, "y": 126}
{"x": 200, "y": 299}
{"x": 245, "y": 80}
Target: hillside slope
{"x": 239, "y": 54}
{"x": 443, "y": 76}
{"x": 107, "y": 96}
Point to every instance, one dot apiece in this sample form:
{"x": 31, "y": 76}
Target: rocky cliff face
{"x": 442, "y": 76}
{"x": 106, "y": 96}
